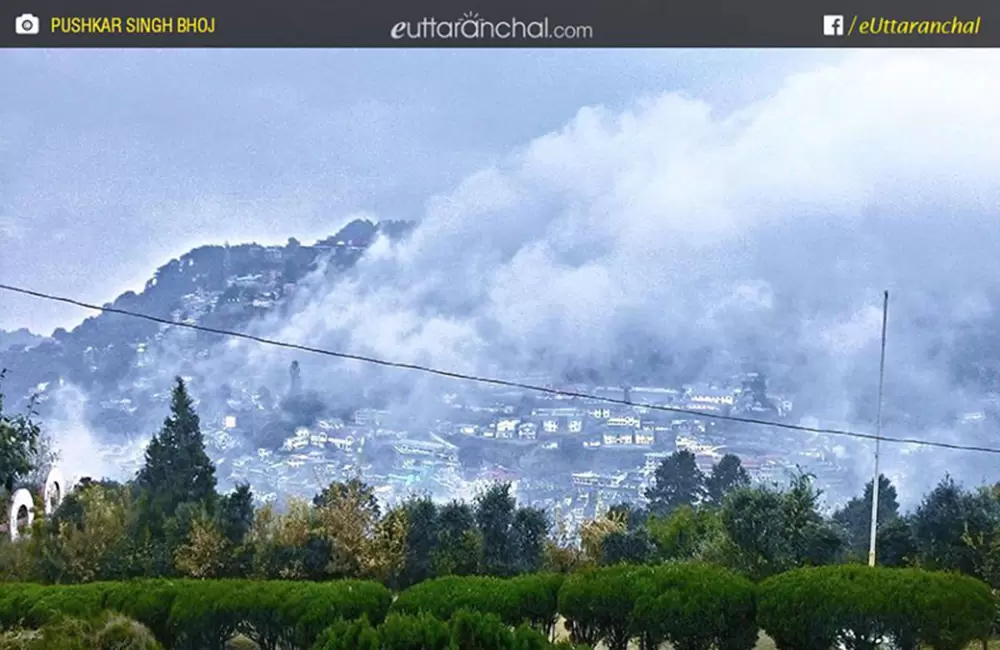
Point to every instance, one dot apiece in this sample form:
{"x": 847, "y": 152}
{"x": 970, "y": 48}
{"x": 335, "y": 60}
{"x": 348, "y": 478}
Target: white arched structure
{"x": 55, "y": 490}
{"x": 22, "y": 500}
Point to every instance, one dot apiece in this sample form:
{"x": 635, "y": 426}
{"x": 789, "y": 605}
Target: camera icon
{"x": 26, "y": 24}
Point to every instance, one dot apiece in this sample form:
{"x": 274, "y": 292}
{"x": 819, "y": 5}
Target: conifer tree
{"x": 177, "y": 470}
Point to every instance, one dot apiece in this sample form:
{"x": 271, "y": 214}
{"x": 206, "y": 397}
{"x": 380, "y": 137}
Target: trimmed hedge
{"x": 531, "y": 598}
{"x": 467, "y": 630}
{"x": 859, "y": 606}
{"x": 691, "y": 606}
{"x": 203, "y": 614}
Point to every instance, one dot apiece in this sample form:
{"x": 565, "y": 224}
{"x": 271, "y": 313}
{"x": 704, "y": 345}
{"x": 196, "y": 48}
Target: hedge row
{"x": 203, "y": 614}
{"x": 691, "y": 606}
{"x": 698, "y": 607}
{"x": 860, "y": 607}
{"x": 466, "y": 630}
{"x": 531, "y": 598}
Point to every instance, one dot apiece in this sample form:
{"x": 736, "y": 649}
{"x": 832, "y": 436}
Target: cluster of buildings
{"x": 573, "y": 455}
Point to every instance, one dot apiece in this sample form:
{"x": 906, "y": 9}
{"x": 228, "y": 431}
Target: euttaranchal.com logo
{"x": 472, "y": 26}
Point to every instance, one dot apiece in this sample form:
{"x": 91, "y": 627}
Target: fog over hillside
{"x": 694, "y": 242}
{"x": 765, "y": 235}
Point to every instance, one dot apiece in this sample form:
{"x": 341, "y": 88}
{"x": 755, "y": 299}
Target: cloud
{"x": 765, "y": 234}
{"x": 80, "y": 450}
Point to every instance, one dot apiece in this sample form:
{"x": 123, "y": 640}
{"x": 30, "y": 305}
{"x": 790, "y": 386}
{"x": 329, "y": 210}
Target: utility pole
{"x": 878, "y": 435}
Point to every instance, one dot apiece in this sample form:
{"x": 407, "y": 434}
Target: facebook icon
{"x": 833, "y": 25}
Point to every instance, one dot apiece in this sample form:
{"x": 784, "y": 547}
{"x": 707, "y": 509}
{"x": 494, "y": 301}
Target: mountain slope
{"x": 223, "y": 287}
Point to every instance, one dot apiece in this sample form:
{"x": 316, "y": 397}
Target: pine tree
{"x": 176, "y": 470}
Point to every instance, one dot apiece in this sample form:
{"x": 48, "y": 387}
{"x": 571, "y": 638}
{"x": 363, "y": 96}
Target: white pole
{"x": 878, "y": 436}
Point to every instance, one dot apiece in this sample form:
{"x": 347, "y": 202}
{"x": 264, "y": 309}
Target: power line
{"x": 493, "y": 381}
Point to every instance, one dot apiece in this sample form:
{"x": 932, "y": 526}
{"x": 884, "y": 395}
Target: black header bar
{"x": 512, "y": 23}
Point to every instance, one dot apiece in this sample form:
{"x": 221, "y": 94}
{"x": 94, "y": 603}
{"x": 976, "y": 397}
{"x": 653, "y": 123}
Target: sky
{"x": 112, "y": 162}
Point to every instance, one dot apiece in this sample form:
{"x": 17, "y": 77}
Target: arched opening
{"x": 53, "y": 496}
{"x": 22, "y": 521}
{"x": 21, "y": 514}
{"x": 54, "y": 492}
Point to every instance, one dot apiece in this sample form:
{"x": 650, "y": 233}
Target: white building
{"x": 709, "y": 395}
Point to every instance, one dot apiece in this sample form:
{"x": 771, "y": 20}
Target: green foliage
{"x": 348, "y": 635}
{"x": 19, "y": 435}
{"x": 495, "y": 517}
{"x": 769, "y": 530}
{"x": 856, "y": 515}
{"x": 478, "y": 631}
{"x": 858, "y": 606}
{"x": 175, "y": 484}
{"x": 677, "y": 482}
{"x": 946, "y": 517}
{"x": 420, "y": 632}
{"x": 685, "y": 533}
{"x": 120, "y": 633}
{"x": 695, "y": 607}
{"x": 598, "y": 604}
{"x": 727, "y": 476}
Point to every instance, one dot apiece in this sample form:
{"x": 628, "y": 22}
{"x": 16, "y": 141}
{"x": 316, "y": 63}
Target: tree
{"x": 495, "y": 516}
{"x": 683, "y": 534}
{"x": 234, "y": 521}
{"x": 727, "y": 475}
{"x": 677, "y": 482}
{"x": 459, "y": 547}
{"x": 347, "y": 515}
{"x": 632, "y": 547}
{"x": 235, "y": 514}
{"x": 176, "y": 480}
{"x": 595, "y": 532}
{"x": 288, "y": 545}
{"x": 528, "y": 531}
{"x": 42, "y": 460}
{"x": 19, "y": 436}
{"x": 176, "y": 470}
{"x": 771, "y": 530}
{"x": 87, "y": 538}
{"x": 945, "y": 517}
{"x": 421, "y": 540}
{"x": 204, "y": 554}
{"x": 856, "y": 515}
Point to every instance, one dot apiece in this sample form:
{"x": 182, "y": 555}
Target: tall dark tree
{"x": 421, "y": 540}
{"x": 19, "y": 437}
{"x": 632, "y": 547}
{"x": 946, "y": 516}
{"x": 529, "y": 530}
{"x": 495, "y": 516}
{"x": 894, "y": 543}
{"x": 176, "y": 470}
{"x": 459, "y": 546}
{"x": 677, "y": 482}
{"x": 236, "y": 512}
{"x": 856, "y": 515}
{"x": 727, "y": 475}
{"x": 234, "y": 517}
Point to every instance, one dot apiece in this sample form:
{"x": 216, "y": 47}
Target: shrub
{"x": 121, "y": 633}
{"x": 859, "y": 606}
{"x": 146, "y": 601}
{"x": 695, "y": 606}
{"x": 477, "y": 631}
{"x": 348, "y": 635}
{"x": 420, "y": 632}
{"x": 598, "y": 605}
